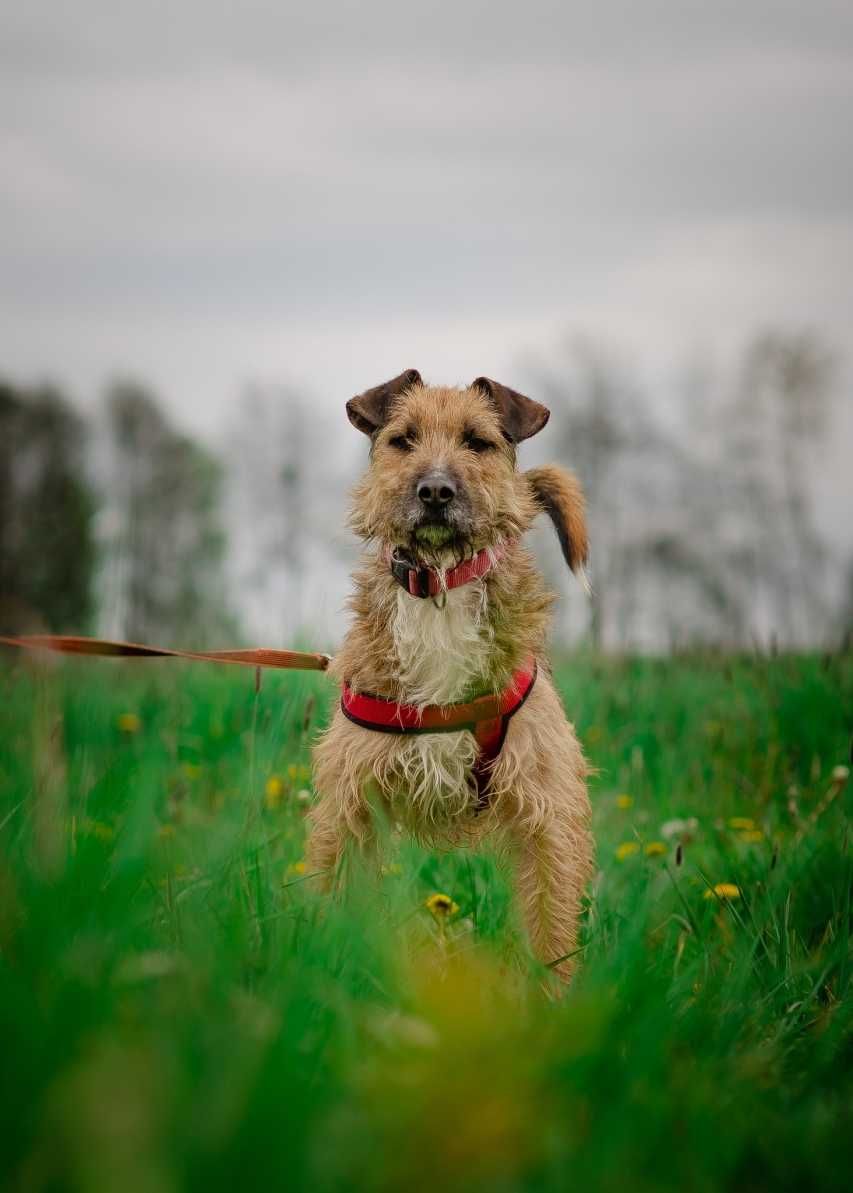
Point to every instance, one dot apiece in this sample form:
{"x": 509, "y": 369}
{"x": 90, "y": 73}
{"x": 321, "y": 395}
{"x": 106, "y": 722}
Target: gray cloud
{"x": 205, "y": 193}
{"x": 120, "y": 36}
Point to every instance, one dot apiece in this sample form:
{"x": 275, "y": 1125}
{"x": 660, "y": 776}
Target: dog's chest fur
{"x": 442, "y": 646}
{"x": 442, "y": 652}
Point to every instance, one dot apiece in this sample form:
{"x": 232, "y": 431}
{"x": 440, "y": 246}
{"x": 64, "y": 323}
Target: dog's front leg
{"x": 553, "y": 863}
{"x": 329, "y": 834}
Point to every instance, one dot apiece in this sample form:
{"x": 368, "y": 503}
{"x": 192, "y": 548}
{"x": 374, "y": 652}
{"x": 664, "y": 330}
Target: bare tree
{"x": 163, "y": 538}
{"x": 781, "y": 408}
{"x": 704, "y": 530}
{"x": 285, "y": 501}
{"x": 651, "y": 509}
{"x": 47, "y": 548}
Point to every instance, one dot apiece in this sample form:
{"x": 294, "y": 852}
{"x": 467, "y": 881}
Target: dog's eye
{"x": 402, "y": 443}
{"x": 476, "y": 444}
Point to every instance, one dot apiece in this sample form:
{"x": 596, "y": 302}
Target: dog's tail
{"x": 558, "y": 493}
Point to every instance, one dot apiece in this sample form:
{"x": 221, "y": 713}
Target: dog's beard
{"x": 435, "y": 535}
{"x": 440, "y": 544}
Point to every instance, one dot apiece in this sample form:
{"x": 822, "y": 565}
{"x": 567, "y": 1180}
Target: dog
{"x": 449, "y": 723}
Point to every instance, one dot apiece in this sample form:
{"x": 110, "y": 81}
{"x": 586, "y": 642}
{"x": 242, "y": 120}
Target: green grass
{"x": 180, "y": 1011}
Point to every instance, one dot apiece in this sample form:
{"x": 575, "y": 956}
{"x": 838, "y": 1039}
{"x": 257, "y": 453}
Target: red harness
{"x": 487, "y": 718}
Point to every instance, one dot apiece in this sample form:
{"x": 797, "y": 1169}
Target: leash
{"x": 423, "y": 582}
{"x": 487, "y": 717}
{"x": 291, "y": 660}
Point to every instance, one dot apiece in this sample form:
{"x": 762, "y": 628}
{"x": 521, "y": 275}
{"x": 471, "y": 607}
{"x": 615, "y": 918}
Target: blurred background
{"x": 219, "y": 222}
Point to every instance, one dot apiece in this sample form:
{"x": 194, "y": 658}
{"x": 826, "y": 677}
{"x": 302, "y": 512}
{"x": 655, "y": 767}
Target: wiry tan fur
{"x": 467, "y": 642}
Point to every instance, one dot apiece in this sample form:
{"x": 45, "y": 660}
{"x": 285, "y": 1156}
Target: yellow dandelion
{"x": 273, "y": 791}
{"x": 723, "y": 890}
{"x": 624, "y": 801}
{"x": 654, "y": 849}
{"x": 626, "y": 849}
{"x": 296, "y": 868}
{"x": 441, "y": 906}
{"x": 129, "y": 722}
{"x": 752, "y": 836}
{"x": 741, "y": 823}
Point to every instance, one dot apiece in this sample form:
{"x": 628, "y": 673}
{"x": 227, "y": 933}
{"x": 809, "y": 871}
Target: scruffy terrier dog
{"x": 449, "y": 723}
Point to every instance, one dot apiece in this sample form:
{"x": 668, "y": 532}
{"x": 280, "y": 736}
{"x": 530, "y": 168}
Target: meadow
{"x": 180, "y": 1009}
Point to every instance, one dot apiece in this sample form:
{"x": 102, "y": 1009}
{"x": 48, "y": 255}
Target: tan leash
{"x": 291, "y": 660}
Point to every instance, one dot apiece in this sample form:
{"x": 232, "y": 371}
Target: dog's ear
{"x": 520, "y": 417}
{"x": 559, "y": 495}
{"x": 369, "y": 411}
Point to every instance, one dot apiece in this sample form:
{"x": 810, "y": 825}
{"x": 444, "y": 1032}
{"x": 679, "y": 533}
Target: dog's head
{"x": 442, "y": 481}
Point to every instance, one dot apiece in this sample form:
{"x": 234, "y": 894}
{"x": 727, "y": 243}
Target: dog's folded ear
{"x": 520, "y": 417}
{"x": 559, "y": 495}
{"x": 369, "y": 411}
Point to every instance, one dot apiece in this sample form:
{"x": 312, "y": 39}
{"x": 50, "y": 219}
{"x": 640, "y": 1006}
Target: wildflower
{"x": 723, "y": 890}
{"x": 679, "y": 828}
{"x": 752, "y": 836}
{"x": 441, "y": 906}
{"x": 743, "y": 823}
{"x": 273, "y": 791}
{"x": 129, "y": 722}
{"x": 624, "y": 801}
{"x": 626, "y": 849}
{"x": 654, "y": 849}
{"x": 296, "y": 868}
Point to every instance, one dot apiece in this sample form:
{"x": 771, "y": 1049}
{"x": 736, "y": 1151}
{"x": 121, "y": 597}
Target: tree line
{"x": 703, "y": 526}
{"x": 111, "y": 523}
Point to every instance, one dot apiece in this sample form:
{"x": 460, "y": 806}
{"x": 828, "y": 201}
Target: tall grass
{"x": 180, "y": 1010}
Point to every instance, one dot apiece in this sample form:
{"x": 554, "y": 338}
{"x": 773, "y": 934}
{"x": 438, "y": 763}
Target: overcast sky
{"x": 203, "y": 193}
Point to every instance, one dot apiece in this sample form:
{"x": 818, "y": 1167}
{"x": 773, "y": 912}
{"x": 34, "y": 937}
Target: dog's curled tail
{"x": 558, "y": 493}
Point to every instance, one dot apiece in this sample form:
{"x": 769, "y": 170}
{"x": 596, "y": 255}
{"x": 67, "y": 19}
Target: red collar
{"x": 427, "y": 581}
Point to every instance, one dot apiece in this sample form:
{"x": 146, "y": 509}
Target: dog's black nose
{"x": 436, "y": 490}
